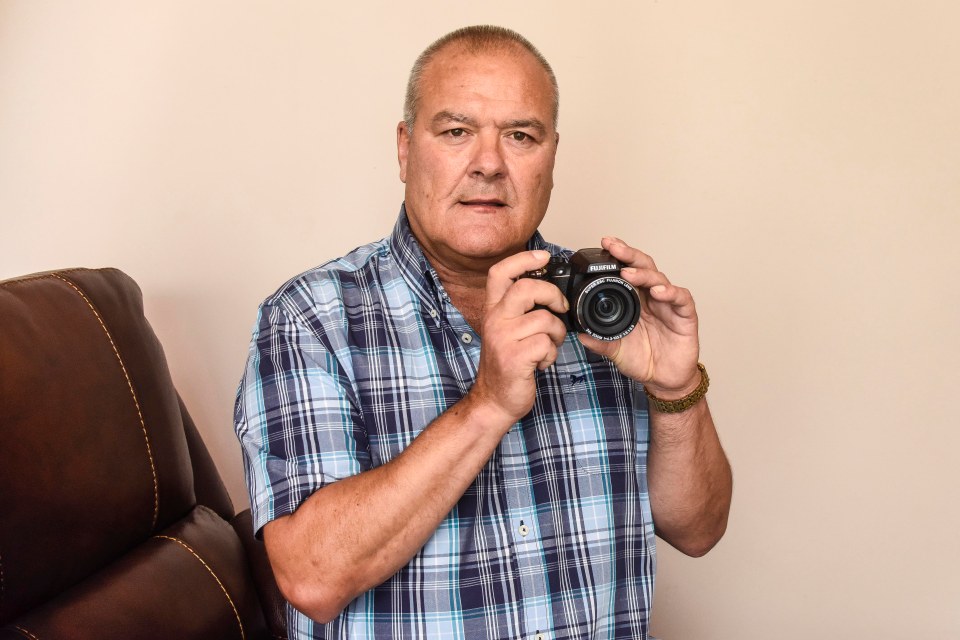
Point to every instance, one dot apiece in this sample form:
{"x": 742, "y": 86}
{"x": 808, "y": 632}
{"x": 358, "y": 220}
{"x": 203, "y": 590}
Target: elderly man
{"x": 429, "y": 452}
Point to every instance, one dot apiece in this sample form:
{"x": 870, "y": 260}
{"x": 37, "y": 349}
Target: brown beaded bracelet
{"x": 684, "y": 403}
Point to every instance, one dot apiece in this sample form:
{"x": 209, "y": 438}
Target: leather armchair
{"x": 114, "y": 522}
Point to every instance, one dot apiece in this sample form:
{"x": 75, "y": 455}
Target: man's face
{"x": 478, "y": 166}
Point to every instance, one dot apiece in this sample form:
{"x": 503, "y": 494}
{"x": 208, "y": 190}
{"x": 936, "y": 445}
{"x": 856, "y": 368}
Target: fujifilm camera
{"x": 602, "y": 304}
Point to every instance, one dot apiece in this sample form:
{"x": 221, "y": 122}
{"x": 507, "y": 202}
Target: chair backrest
{"x": 113, "y": 519}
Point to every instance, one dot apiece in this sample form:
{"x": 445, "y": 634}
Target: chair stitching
{"x": 1, "y": 583}
{"x": 133, "y": 394}
{"x": 25, "y": 632}
{"x": 42, "y": 276}
{"x": 207, "y": 567}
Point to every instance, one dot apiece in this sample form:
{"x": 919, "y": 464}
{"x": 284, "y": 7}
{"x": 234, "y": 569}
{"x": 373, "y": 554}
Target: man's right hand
{"x": 517, "y": 340}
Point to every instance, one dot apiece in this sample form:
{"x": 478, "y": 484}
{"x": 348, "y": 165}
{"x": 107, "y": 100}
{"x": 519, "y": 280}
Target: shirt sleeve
{"x": 296, "y": 413}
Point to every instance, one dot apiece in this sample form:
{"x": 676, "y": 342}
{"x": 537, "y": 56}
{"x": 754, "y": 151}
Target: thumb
{"x": 609, "y": 349}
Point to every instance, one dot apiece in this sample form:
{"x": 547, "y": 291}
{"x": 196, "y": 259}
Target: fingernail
{"x": 540, "y": 253}
{"x": 658, "y": 289}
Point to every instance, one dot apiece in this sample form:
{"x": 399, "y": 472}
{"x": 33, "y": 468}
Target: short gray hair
{"x": 476, "y": 39}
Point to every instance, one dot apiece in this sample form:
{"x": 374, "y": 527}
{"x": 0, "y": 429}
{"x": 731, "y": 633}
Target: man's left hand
{"x": 663, "y": 350}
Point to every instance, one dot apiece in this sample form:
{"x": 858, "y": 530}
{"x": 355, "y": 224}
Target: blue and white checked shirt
{"x": 554, "y": 539}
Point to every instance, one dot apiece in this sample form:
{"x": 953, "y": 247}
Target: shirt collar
{"x": 418, "y": 272}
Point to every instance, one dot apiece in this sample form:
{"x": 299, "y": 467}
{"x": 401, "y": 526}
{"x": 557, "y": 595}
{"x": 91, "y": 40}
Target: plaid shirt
{"x": 554, "y": 539}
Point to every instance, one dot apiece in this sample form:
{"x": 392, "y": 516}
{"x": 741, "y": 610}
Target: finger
{"x": 527, "y": 293}
{"x": 547, "y": 362}
{"x": 644, "y": 278}
{"x": 627, "y": 254}
{"x": 541, "y": 322}
{"x": 503, "y": 274}
{"x": 540, "y": 349}
{"x": 677, "y": 297}
{"x": 538, "y": 322}
{"x": 659, "y": 289}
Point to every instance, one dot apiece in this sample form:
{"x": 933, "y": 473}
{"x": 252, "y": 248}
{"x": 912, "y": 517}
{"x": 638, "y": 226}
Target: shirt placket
{"x": 520, "y": 519}
{"x": 527, "y": 538}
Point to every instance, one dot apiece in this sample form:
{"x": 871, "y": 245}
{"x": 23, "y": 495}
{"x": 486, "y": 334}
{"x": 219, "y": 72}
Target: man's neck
{"x": 464, "y": 279}
{"x": 467, "y": 291}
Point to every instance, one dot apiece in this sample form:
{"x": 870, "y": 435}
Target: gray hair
{"x": 476, "y": 39}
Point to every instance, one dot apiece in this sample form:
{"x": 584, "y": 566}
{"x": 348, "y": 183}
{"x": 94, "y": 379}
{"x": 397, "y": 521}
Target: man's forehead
{"x": 458, "y": 57}
{"x": 457, "y": 76}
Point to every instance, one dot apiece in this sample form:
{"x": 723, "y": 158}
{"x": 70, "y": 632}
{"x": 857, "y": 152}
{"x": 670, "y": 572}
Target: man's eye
{"x": 456, "y": 133}
{"x": 520, "y": 136}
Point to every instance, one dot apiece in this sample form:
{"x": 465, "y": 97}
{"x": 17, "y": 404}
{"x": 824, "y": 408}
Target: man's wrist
{"x": 670, "y": 404}
{"x": 479, "y": 410}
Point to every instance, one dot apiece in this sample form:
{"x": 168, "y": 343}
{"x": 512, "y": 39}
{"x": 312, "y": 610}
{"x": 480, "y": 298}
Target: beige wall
{"x": 797, "y": 165}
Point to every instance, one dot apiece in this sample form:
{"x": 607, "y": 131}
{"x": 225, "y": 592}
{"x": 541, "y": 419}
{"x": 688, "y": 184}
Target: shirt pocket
{"x": 594, "y": 403}
{"x": 568, "y": 420}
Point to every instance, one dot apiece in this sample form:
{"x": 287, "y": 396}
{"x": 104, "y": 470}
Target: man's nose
{"x": 488, "y": 162}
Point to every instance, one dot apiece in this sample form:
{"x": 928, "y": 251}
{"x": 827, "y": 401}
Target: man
{"x": 429, "y": 452}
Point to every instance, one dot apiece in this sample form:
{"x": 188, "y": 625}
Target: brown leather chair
{"x": 114, "y": 522}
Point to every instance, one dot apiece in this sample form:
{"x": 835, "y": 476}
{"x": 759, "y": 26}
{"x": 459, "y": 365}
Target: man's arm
{"x": 352, "y": 535}
{"x": 689, "y": 479}
{"x": 688, "y": 475}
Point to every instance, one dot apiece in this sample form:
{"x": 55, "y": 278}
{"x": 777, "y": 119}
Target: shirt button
{"x": 524, "y": 530}
{"x": 539, "y": 636}
{"x": 467, "y": 338}
{"x": 433, "y": 313}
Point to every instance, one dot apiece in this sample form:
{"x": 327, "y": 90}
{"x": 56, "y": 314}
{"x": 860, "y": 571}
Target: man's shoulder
{"x": 332, "y": 282}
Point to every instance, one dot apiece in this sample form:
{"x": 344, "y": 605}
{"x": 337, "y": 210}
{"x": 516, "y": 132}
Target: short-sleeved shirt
{"x": 554, "y": 540}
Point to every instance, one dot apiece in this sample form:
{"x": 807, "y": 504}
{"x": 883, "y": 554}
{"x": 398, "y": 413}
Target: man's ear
{"x": 403, "y": 142}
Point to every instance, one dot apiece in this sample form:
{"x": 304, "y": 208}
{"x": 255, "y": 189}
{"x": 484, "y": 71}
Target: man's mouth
{"x": 483, "y": 202}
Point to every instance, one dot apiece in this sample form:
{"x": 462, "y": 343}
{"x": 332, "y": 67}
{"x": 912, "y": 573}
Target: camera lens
{"x": 607, "y": 308}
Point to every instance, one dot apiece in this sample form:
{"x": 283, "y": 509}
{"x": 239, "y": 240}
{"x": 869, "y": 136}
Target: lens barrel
{"x": 607, "y": 308}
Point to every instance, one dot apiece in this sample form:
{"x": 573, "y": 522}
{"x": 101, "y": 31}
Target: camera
{"x": 602, "y": 304}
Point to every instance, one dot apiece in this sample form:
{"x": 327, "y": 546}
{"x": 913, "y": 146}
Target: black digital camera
{"x": 602, "y": 304}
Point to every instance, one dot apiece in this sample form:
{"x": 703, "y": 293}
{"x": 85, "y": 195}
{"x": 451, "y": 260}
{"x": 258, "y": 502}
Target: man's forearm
{"x": 354, "y": 534}
{"x": 689, "y": 479}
